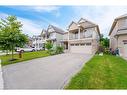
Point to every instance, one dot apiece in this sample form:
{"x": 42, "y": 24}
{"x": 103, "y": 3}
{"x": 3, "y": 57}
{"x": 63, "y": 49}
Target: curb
{"x": 1, "y": 78}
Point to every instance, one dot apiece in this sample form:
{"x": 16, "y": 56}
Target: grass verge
{"x": 25, "y": 56}
{"x": 101, "y": 72}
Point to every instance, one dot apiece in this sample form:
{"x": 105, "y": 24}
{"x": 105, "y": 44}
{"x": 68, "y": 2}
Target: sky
{"x": 36, "y": 18}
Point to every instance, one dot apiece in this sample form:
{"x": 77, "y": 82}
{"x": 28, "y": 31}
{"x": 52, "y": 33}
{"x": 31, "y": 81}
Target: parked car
{"x": 30, "y": 49}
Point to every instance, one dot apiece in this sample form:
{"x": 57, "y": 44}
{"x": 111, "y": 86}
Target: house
{"x": 118, "y": 35}
{"x": 54, "y": 35}
{"x": 37, "y": 42}
{"x": 82, "y": 37}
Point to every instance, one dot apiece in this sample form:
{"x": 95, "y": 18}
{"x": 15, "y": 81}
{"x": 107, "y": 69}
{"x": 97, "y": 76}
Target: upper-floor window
{"x": 88, "y": 33}
{"x": 52, "y": 35}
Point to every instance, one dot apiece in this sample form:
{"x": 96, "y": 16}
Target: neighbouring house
{"x": 82, "y": 37}
{"x": 118, "y": 35}
{"x": 37, "y": 42}
{"x": 54, "y": 35}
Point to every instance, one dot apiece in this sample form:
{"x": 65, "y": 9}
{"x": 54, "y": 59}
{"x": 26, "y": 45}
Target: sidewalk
{"x": 3, "y": 53}
{"x": 1, "y": 77}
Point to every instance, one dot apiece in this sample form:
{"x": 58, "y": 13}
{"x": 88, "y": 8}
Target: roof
{"x": 115, "y": 21}
{"x": 43, "y": 31}
{"x": 85, "y": 20}
{"x": 72, "y": 23}
{"x": 88, "y": 23}
{"x": 57, "y": 30}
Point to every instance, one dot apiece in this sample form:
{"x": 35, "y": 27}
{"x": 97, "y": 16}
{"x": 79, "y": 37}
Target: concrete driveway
{"x": 51, "y": 72}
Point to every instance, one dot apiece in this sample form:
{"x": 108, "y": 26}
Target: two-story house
{"x": 82, "y": 37}
{"x": 37, "y": 42}
{"x": 54, "y": 35}
{"x": 118, "y": 35}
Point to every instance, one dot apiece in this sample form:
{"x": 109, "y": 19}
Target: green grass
{"x": 26, "y": 56}
{"x": 101, "y": 72}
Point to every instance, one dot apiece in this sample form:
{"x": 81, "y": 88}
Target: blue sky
{"x": 35, "y": 18}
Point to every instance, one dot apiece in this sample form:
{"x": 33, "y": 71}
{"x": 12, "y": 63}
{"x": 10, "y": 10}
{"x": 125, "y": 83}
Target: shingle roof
{"x": 58, "y": 30}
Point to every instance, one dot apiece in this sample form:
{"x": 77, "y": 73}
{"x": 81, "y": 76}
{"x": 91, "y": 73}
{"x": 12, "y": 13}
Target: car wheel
{"x": 22, "y": 50}
{"x": 33, "y": 50}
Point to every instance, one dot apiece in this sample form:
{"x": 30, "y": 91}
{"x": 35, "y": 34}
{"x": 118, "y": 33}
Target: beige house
{"x": 118, "y": 35}
{"x": 82, "y": 37}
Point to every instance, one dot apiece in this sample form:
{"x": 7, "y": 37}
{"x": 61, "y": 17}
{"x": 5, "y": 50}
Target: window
{"x": 88, "y": 34}
{"x": 72, "y": 44}
{"x": 88, "y": 44}
{"x": 82, "y": 44}
{"x": 83, "y": 33}
{"x": 76, "y": 44}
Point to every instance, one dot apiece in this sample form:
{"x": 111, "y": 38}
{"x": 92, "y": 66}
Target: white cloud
{"x": 101, "y": 15}
{"x": 30, "y": 27}
{"x": 49, "y": 9}
{"x": 44, "y": 8}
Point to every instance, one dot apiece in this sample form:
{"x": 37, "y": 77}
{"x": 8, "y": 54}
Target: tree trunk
{"x": 12, "y": 52}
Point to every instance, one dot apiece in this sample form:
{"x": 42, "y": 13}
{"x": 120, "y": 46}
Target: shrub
{"x": 100, "y": 49}
{"x": 48, "y": 45}
{"x": 59, "y": 49}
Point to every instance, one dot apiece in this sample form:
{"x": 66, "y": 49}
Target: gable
{"x": 85, "y": 23}
{"x": 81, "y": 20}
{"x": 73, "y": 26}
{"x": 50, "y": 29}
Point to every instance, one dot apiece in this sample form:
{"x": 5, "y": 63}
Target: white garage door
{"x": 81, "y": 48}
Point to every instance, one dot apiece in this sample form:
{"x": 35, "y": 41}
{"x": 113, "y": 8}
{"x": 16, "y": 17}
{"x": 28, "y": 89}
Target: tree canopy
{"x": 11, "y": 35}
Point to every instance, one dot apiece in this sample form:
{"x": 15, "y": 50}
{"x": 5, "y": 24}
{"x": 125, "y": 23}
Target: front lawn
{"x": 26, "y": 56}
{"x": 101, "y": 72}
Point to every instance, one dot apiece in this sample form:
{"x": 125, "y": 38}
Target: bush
{"x": 52, "y": 52}
{"x": 48, "y": 45}
{"x": 100, "y": 49}
{"x": 59, "y": 49}
{"x": 104, "y": 50}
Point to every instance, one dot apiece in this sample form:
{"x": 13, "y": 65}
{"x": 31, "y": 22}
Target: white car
{"x": 25, "y": 49}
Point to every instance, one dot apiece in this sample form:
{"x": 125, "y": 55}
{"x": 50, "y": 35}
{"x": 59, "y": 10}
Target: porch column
{"x": 78, "y": 31}
{"x": 68, "y": 38}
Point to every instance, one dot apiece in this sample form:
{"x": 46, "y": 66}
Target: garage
{"x": 81, "y": 48}
{"x": 125, "y": 49}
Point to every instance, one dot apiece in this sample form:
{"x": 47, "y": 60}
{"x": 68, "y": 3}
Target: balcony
{"x": 83, "y": 35}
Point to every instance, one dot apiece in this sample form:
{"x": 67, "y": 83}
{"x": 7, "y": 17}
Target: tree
{"x": 104, "y": 41}
{"x": 11, "y": 35}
